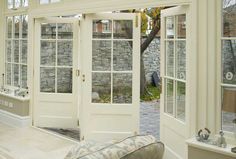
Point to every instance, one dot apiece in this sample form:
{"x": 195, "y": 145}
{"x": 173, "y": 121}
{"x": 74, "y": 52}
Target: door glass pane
{"x": 64, "y": 80}
{"x": 102, "y": 29}
{"x": 229, "y": 18}
{"x": 23, "y": 76}
{"x": 180, "y": 100}
{"x": 24, "y": 51}
{"x": 122, "y": 55}
{"x": 47, "y": 80}
{"x": 123, "y": 29}
{"x": 48, "y": 31}
{"x": 101, "y": 87}
{"x": 169, "y": 96}
{"x": 170, "y": 58}
{"x": 122, "y": 88}
{"x": 48, "y": 53}
{"x": 181, "y": 59}
{"x": 229, "y": 61}
{"x": 24, "y": 26}
{"x": 8, "y": 70}
{"x": 8, "y": 50}
{"x": 65, "y": 31}
{"x": 101, "y": 55}
{"x": 170, "y": 27}
{"x": 228, "y": 109}
{"x": 16, "y": 75}
{"x": 17, "y": 26}
{"x": 9, "y": 27}
{"x": 181, "y": 26}
{"x": 16, "y": 50}
{"x": 64, "y": 53}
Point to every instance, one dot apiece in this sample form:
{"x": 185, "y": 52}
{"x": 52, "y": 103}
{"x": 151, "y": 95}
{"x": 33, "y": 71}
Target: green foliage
{"x": 155, "y": 93}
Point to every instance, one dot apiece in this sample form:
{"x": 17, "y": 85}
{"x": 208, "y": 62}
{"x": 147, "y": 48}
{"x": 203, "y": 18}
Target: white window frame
{"x": 230, "y": 136}
{"x": 16, "y": 8}
{"x": 11, "y": 13}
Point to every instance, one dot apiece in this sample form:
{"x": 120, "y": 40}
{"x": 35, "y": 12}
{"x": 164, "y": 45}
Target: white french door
{"x": 111, "y": 76}
{"x": 175, "y": 37}
{"x": 55, "y": 82}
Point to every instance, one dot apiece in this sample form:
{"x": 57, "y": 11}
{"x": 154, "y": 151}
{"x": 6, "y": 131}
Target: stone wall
{"x": 151, "y": 59}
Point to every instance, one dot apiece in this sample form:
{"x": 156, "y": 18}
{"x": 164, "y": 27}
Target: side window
{"x": 228, "y": 58}
{"x": 16, "y": 51}
{"x": 175, "y": 66}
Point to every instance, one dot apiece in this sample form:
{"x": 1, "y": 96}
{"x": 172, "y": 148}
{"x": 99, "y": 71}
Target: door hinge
{"x": 78, "y": 123}
{"x": 137, "y": 20}
{"x": 84, "y": 16}
{"x": 83, "y": 78}
{"x": 77, "y": 72}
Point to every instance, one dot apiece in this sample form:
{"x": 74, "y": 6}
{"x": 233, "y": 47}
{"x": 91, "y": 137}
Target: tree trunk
{"x": 142, "y": 77}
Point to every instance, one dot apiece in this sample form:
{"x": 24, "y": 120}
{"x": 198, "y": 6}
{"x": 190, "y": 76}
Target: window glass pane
{"x": 48, "y": 31}
{"x": 44, "y": 1}
{"x": 10, "y": 4}
{"x": 181, "y": 26}
{"x": 25, "y": 3}
{"x": 23, "y": 72}
{"x": 24, "y": 26}
{"x": 64, "y": 80}
{"x": 8, "y": 50}
{"x": 169, "y": 96}
{"x": 9, "y": 27}
{"x": 181, "y": 60}
{"x": 229, "y": 61}
{"x": 17, "y": 3}
{"x": 17, "y": 26}
{"x": 228, "y": 109}
{"x": 229, "y": 18}
{"x": 122, "y": 88}
{"x": 65, "y": 31}
{"x": 123, "y": 29}
{"x": 102, "y": 29}
{"x": 24, "y": 51}
{"x": 8, "y": 74}
{"x": 64, "y": 53}
{"x": 170, "y": 27}
{"x": 16, "y": 75}
{"x": 16, "y": 49}
{"x": 48, "y": 53}
{"x": 122, "y": 55}
{"x": 180, "y": 99}
{"x": 101, "y": 55}
{"x": 170, "y": 58}
{"x": 101, "y": 87}
{"x": 47, "y": 80}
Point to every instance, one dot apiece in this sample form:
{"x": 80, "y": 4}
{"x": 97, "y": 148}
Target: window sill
{"x": 11, "y": 95}
{"x": 224, "y": 151}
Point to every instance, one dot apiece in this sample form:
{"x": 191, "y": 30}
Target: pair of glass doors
{"x": 84, "y": 71}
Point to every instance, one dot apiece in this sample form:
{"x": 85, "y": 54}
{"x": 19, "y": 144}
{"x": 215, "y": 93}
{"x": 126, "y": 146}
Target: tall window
{"x": 228, "y": 58}
{"x": 49, "y": 1}
{"x": 17, "y": 3}
{"x": 175, "y": 66}
{"x": 16, "y": 51}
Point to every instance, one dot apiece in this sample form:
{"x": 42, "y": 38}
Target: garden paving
{"x": 150, "y": 118}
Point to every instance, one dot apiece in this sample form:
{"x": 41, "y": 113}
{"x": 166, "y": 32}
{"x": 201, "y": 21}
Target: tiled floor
{"x": 30, "y": 143}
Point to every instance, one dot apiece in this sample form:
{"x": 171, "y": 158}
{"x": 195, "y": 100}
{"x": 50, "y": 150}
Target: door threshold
{"x": 56, "y": 134}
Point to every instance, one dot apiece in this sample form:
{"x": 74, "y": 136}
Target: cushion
{"x": 125, "y": 149}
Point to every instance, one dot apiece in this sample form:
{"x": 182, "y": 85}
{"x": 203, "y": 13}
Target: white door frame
{"x": 169, "y": 124}
{"x": 73, "y": 97}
